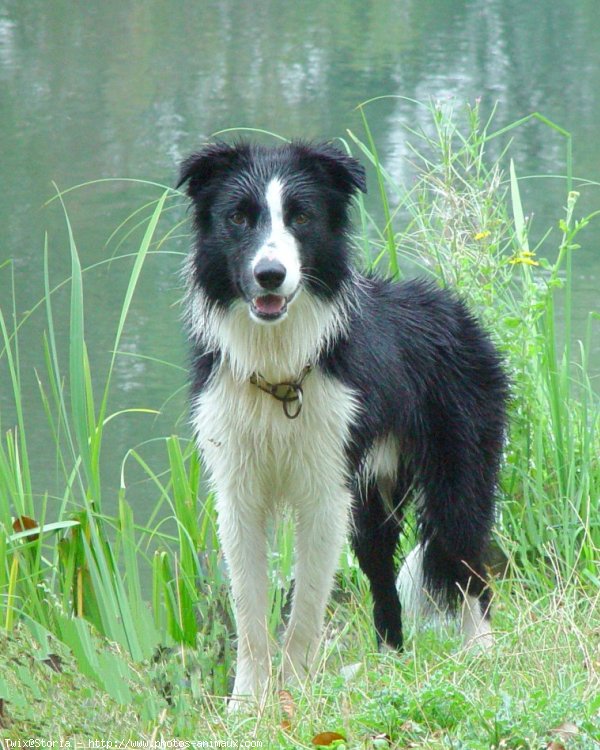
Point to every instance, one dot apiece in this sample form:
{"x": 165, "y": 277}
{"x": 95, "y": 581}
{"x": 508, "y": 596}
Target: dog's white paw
{"x": 237, "y": 704}
{"x": 250, "y": 690}
{"x": 475, "y": 626}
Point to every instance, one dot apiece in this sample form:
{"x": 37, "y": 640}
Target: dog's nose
{"x": 270, "y": 274}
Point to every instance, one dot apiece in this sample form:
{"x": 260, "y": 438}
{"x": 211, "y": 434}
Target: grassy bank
{"x": 81, "y": 636}
{"x": 540, "y": 684}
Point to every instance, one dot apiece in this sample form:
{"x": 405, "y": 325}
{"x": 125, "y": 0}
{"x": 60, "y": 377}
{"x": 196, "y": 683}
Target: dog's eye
{"x": 301, "y": 218}
{"x": 238, "y": 218}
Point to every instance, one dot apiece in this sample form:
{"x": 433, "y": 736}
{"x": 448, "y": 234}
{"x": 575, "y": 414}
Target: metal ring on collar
{"x": 297, "y": 399}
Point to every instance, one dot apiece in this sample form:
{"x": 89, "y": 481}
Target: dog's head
{"x": 271, "y": 222}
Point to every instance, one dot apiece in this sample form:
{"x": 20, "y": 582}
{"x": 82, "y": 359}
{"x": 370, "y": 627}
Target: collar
{"x": 288, "y": 392}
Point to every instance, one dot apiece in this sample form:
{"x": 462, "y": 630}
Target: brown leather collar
{"x": 289, "y": 392}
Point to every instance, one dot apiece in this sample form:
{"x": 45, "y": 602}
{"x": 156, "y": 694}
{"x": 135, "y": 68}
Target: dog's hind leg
{"x": 375, "y": 534}
{"x": 321, "y": 525}
{"x": 421, "y": 601}
{"x": 475, "y": 621}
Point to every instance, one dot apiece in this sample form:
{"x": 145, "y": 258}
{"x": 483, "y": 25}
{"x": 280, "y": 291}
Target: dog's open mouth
{"x": 269, "y": 306}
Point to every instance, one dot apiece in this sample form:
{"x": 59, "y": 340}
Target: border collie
{"x": 342, "y": 395}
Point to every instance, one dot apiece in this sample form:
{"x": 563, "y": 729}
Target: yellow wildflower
{"x": 525, "y": 258}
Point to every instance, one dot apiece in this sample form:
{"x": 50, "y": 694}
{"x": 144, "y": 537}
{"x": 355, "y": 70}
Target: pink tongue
{"x": 269, "y": 304}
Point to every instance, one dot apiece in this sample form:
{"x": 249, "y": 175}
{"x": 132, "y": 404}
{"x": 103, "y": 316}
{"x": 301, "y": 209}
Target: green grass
{"x": 149, "y": 664}
{"x": 541, "y": 675}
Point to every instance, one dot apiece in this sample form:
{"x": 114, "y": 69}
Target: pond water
{"x": 127, "y": 88}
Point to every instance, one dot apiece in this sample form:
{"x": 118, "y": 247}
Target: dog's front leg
{"x": 321, "y": 526}
{"x": 243, "y": 539}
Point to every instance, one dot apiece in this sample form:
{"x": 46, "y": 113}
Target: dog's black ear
{"x": 203, "y": 166}
{"x": 348, "y": 174}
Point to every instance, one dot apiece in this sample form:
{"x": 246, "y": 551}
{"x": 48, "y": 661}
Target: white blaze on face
{"x": 280, "y": 244}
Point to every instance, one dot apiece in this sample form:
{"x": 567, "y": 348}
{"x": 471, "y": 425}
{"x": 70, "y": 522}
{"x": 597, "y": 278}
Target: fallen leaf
{"x": 54, "y": 662}
{"x": 288, "y": 709}
{"x": 381, "y": 741}
{"x": 24, "y": 523}
{"x": 566, "y": 730}
{"x": 324, "y": 739}
{"x": 408, "y": 726}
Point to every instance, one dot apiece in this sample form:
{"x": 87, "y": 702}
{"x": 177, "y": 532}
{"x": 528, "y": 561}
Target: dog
{"x": 343, "y": 395}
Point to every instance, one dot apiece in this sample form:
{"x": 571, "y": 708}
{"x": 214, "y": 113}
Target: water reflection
{"x": 92, "y": 90}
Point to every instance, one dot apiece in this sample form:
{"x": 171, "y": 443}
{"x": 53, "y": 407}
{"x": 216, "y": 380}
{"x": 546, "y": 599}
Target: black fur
{"x": 425, "y": 371}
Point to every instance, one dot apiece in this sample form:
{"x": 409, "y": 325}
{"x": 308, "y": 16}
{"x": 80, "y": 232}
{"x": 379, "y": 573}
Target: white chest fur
{"x": 257, "y": 453}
